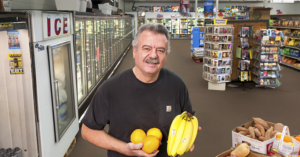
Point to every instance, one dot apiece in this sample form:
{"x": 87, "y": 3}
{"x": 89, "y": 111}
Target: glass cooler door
{"x": 175, "y": 28}
{"x": 104, "y": 45}
{"x": 168, "y": 25}
{"x": 183, "y": 28}
{"x": 61, "y": 85}
{"x": 98, "y": 71}
{"x": 80, "y": 60}
{"x": 90, "y": 44}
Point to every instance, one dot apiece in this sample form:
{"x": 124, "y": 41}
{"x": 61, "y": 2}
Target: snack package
{"x": 291, "y": 23}
{"x": 296, "y": 24}
{"x": 286, "y": 145}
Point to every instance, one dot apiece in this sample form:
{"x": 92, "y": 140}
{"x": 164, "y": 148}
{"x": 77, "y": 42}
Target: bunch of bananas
{"x": 182, "y": 134}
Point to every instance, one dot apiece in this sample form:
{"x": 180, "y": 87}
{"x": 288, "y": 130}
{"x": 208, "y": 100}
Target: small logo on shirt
{"x": 169, "y": 108}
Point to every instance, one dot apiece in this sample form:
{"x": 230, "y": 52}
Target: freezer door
{"x": 80, "y": 54}
{"x": 61, "y": 87}
{"x": 98, "y": 49}
{"x": 90, "y": 50}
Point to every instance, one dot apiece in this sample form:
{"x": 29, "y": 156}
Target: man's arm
{"x": 103, "y": 140}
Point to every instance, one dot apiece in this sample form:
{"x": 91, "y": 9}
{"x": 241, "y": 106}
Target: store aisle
{"x": 219, "y": 112}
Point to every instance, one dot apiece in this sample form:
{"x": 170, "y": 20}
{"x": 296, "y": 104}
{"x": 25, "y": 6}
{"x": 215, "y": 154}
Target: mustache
{"x": 153, "y": 61}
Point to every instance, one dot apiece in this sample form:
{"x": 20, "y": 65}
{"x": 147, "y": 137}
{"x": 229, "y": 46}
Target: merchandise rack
{"x": 289, "y": 65}
{"x": 244, "y": 53}
{"x": 217, "y": 59}
{"x": 268, "y": 76}
{"x": 284, "y": 27}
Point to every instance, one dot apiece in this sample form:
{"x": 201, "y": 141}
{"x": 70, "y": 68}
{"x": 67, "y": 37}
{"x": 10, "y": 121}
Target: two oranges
{"x": 150, "y": 141}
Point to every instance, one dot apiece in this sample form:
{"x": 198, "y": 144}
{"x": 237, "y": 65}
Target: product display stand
{"x": 217, "y": 67}
{"x": 244, "y": 52}
{"x": 197, "y": 43}
{"x": 266, "y": 72}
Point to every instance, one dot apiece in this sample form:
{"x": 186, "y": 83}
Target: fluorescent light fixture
{"x": 287, "y": 1}
{"x": 282, "y": 1}
{"x": 276, "y": 1}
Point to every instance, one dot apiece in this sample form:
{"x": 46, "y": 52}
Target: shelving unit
{"x": 284, "y": 27}
{"x": 289, "y": 65}
{"x": 217, "y": 61}
{"x": 267, "y": 74}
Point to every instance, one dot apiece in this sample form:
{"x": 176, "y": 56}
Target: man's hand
{"x": 193, "y": 147}
{"x": 136, "y": 150}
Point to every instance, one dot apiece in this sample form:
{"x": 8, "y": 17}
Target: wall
{"x": 17, "y": 116}
{"x": 122, "y": 5}
{"x": 285, "y": 8}
{"x": 33, "y": 4}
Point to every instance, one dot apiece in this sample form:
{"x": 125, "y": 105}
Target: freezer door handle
{"x": 57, "y": 95}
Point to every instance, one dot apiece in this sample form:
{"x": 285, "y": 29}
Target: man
{"x": 143, "y": 97}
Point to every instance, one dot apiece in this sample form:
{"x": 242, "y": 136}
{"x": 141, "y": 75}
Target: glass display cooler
{"x": 100, "y": 40}
{"x": 183, "y": 30}
{"x": 191, "y": 24}
{"x": 40, "y": 115}
{"x": 175, "y": 29}
{"x": 161, "y": 21}
{"x": 168, "y": 24}
{"x": 151, "y": 20}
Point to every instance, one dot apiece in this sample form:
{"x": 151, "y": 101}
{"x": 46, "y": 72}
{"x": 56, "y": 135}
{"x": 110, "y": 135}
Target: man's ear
{"x": 134, "y": 51}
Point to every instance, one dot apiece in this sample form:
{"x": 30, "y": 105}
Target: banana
{"x": 195, "y": 132}
{"x": 178, "y": 136}
{"x": 174, "y": 126}
{"x": 186, "y": 137}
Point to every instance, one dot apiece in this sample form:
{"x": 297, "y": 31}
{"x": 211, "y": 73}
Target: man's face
{"x": 151, "y": 54}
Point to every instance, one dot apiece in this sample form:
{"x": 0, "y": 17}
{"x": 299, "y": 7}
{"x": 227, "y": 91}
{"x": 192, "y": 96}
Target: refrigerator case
{"x": 55, "y": 80}
{"x": 183, "y": 28}
{"x": 41, "y": 101}
{"x": 175, "y": 28}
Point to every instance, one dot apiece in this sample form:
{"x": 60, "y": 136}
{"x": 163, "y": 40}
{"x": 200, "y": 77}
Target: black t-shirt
{"x": 126, "y": 104}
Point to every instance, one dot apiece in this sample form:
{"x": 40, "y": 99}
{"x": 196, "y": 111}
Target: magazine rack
{"x": 217, "y": 61}
{"x": 266, "y": 65}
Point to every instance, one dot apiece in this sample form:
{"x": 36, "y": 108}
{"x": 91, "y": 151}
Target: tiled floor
{"x": 220, "y": 112}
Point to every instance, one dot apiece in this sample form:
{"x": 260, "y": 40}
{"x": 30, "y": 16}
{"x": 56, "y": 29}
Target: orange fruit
{"x": 286, "y": 139}
{"x": 137, "y": 136}
{"x": 155, "y": 132}
{"x": 151, "y": 144}
{"x": 297, "y": 138}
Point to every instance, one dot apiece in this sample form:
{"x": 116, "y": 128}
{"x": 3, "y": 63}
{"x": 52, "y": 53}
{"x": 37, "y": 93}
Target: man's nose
{"x": 153, "y": 53}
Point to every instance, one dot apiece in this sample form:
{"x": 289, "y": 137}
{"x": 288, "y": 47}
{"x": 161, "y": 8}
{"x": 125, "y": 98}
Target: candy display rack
{"x": 217, "y": 61}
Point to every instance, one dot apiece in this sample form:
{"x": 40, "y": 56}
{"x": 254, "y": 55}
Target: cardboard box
{"x": 259, "y": 13}
{"x": 256, "y": 145}
{"x": 251, "y": 154}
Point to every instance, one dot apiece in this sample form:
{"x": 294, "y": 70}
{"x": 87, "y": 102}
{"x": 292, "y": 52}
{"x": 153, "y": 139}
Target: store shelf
{"x": 293, "y": 37}
{"x": 270, "y": 45}
{"x": 283, "y": 27}
{"x": 269, "y": 53}
{"x": 217, "y": 58}
{"x": 298, "y": 58}
{"x": 254, "y": 73}
{"x": 285, "y": 14}
{"x": 294, "y": 47}
{"x": 267, "y": 62}
{"x": 290, "y": 66}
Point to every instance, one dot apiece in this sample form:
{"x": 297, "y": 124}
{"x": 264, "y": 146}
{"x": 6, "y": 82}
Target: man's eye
{"x": 147, "y": 49}
{"x": 161, "y": 51}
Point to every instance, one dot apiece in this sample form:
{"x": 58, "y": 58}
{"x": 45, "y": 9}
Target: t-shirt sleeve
{"x": 187, "y": 106}
{"x": 97, "y": 115}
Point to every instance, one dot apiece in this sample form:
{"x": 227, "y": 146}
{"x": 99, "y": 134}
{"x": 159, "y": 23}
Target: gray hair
{"x": 155, "y": 28}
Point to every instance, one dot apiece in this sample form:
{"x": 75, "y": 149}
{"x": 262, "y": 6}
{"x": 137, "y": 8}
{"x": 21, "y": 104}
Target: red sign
{"x": 56, "y": 25}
